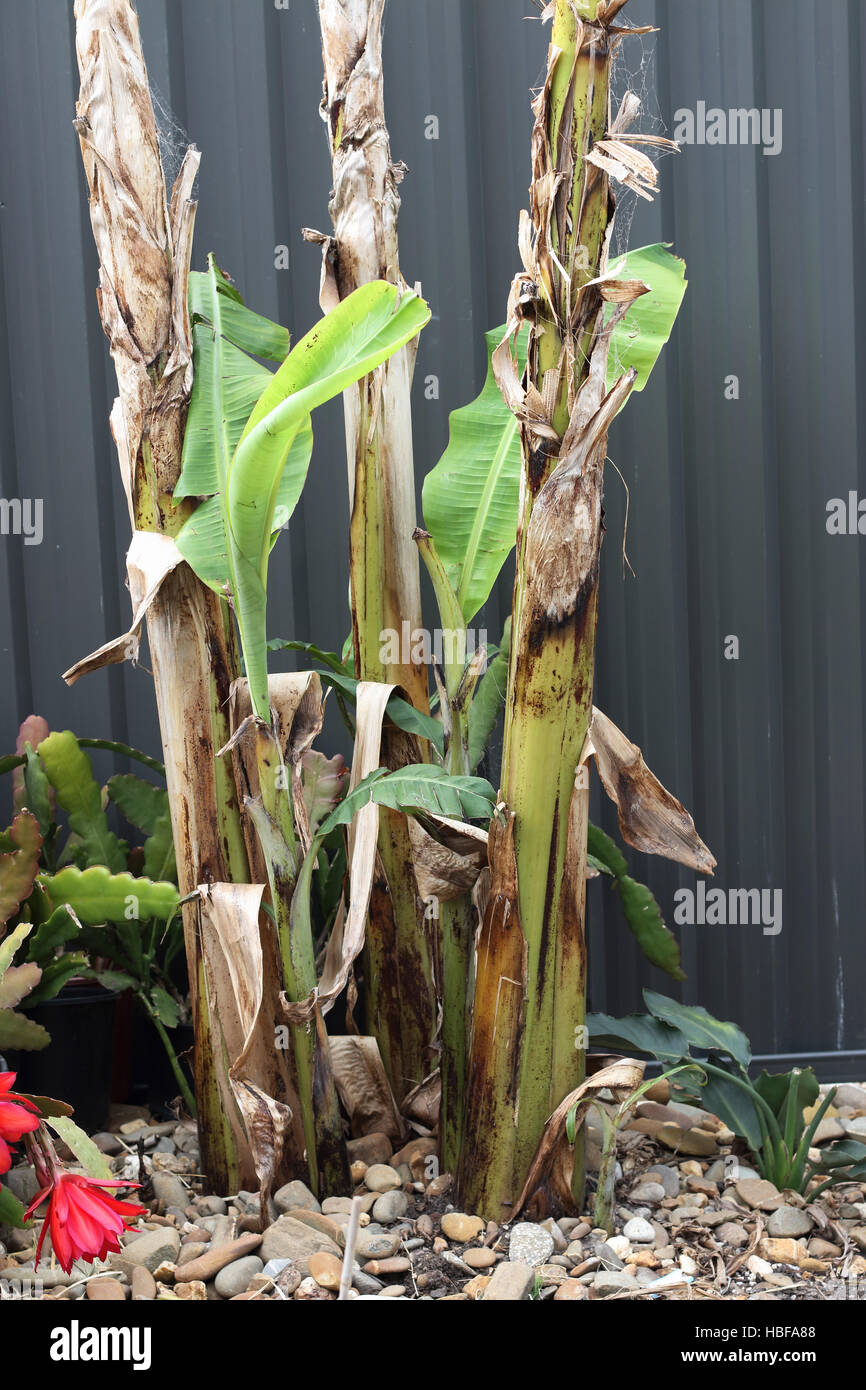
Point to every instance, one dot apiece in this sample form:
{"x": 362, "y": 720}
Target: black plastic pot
{"x": 153, "y": 1083}
{"x": 77, "y": 1064}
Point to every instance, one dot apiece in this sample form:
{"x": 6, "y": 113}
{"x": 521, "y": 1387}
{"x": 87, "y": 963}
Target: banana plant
{"x": 246, "y": 454}
{"x": 143, "y": 232}
{"x": 384, "y": 572}
{"x": 471, "y": 502}
{"x": 586, "y": 354}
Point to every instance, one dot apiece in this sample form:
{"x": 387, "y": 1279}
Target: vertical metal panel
{"x": 726, "y": 522}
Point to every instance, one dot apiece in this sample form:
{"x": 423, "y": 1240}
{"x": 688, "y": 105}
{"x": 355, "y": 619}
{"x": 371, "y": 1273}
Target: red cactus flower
{"x": 17, "y": 1118}
{"x": 85, "y": 1220}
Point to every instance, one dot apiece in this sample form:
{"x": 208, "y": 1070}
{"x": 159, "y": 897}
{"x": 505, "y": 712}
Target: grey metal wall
{"x": 727, "y": 498}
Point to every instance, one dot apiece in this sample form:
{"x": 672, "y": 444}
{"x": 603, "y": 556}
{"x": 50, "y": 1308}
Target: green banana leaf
{"x": 228, "y": 384}
{"x": 341, "y": 677}
{"x": 470, "y": 499}
{"x": 422, "y": 789}
{"x": 260, "y": 478}
{"x": 419, "y": 790}
{"x": 637, "y": 341}
{"x": 489, "y": 700}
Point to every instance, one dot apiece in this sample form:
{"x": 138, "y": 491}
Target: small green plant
{"x": 88, "y": 904}
{"x": 767, "y": 1111}
{"x": 605, "y": 1193}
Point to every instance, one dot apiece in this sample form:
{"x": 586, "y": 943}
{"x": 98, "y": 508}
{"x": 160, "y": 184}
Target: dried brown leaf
{"x": 548, "y": 1183}
{"x": 365, "y": 1091}
{"x": 240, "y": 956}
{"x": 347, "y": 937}
{"x": 650, "y": 818}
{"x": 423, "y": 1104}
{"x": 149, "y": 562}
{"x": 447, "y": 864}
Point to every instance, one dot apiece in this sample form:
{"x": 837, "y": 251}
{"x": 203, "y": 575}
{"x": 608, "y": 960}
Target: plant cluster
{"x": 775, "y": 1115}
{"x": 459, "y": 900}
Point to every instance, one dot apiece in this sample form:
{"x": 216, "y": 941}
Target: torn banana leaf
{"x": 470, "y": 498}
{"x": 650, "y": 818}
{"x": 548, "y": 1186}
{"x": 638, "y": 339}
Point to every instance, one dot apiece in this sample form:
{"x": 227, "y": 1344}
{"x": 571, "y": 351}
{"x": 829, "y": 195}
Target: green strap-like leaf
{"x": 96, "y": 896}
{"x": 471, "y": 497}
{"x": 71, "y": 775}
{"x": 123, "y": 750}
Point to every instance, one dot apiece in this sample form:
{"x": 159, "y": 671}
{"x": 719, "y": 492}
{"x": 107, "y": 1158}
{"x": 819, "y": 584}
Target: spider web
{"x": 174, "y": 140}
{"x": 634, "y": 70}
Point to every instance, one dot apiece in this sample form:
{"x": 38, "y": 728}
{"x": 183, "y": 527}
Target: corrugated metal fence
{"x": 729, "y": 480}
